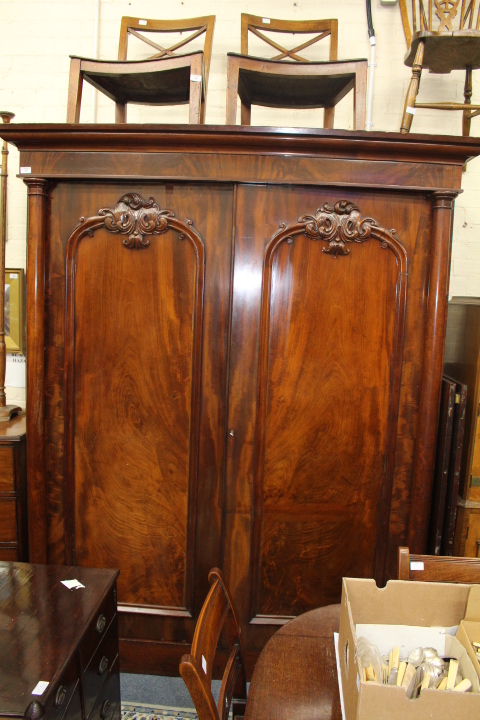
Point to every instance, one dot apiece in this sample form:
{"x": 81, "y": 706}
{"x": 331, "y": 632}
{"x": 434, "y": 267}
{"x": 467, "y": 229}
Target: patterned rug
{"x": 139, "y": 711}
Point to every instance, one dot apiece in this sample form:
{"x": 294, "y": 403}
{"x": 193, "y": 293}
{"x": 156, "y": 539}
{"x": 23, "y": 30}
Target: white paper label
{"x": 266, "y": 21}
{"x": 40, "y": 687}
{"x": 358, "y": 682}
{"x": 25, "y": 170}
{"x": 417, "y": 566}
{"x": 195, "y": 78}
{"x": 204, "y": 665}
{"x": 142, "y": 22}
{"x": 410, "y": 110}
{"x": 72, "y": 584}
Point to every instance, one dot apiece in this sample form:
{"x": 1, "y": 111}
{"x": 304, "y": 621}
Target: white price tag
{"x": 40, "y": 687}
{"x": 25, "y": 170}
{"x": 204, "y": 665}
{"x": 195, "y": 78}
{"x": 417, "y": 565}
{"x": 266, "y": 21}
{"x": 72, "y": 584}
{"x": 142, "y": 22}
{"x": 410, "y": 110}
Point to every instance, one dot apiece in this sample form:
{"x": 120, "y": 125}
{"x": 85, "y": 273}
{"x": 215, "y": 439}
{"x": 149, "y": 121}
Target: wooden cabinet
{"x": 462, "y": 361}
{"x": 235, "y": 349}
{"x": 13, "y": 490}
{"x": 64, "y": 639}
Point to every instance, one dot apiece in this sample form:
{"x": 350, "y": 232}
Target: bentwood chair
{"x": 437, "y": 568}
{"x": 289, "y": 80}
{"x": 196, "y": 668}
{"x": 453, "y": 45}
{"x": 165, "y": 78}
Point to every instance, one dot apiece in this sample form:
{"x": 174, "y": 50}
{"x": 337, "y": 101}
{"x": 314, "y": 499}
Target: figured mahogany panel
{"x": 331, "y": 344}
{"x": 132, "y": 385}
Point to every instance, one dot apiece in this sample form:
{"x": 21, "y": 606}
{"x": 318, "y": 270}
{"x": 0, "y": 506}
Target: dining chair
{"x": 289, "y": 80}
{"x": 453, "y": 45}
{"x": 196, "y": 668}
{"x": 165, "y": 78}
{"x": 437, "y": 568}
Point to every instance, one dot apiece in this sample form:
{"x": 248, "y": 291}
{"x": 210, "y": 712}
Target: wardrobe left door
{"x": 137, "y": 302}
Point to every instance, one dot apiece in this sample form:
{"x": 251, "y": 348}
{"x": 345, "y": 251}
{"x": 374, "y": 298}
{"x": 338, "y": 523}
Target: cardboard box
{"x": 436, "y": 609}
{"x": 469, "y": 629}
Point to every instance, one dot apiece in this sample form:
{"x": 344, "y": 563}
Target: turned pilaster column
{"x": 36, "y": 231}
{"x": 435, "y": 327}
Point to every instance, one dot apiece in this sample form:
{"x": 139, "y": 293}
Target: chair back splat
{"x": 197, "y": 668}
{"x": 437, "y": 568}
{"x": 324, "y": 28}
{"x": 167, "y": 77}
{"x": 288, "y": 79}
{"x": 441, "y": 35}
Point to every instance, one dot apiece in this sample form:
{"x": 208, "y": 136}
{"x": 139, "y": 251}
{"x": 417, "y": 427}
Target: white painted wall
{"x": 37, "y": 37}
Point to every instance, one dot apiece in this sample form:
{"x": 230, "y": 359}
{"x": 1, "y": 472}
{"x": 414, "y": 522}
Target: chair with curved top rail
{"x": 166, "y": 78}
{"x": 288, "y": 80}
{"x": 197, "y": 668}
{"x": 441, "y": 50}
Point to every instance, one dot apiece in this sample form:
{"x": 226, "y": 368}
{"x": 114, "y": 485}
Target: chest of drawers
{"x": 65, "y": 639}
{"x": 13, "y": 490}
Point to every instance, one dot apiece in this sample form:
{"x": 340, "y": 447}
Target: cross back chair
{"x": 196, "y": 668}
{"x": 289, "y": 80}
{"x": 441, "y": 35}
{"x": 165, "y": 78}
{"x": 437, "y": 568}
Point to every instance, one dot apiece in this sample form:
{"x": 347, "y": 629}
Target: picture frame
{"x": 15, "y": 310}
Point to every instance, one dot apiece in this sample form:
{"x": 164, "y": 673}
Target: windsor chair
{"x": 165, "y": 78}
{"x": 289, "y": 80}
{"x": 453, "y": 45}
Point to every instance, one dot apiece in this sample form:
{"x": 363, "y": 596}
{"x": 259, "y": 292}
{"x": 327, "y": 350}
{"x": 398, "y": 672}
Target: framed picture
{"x": 14, "y": 311}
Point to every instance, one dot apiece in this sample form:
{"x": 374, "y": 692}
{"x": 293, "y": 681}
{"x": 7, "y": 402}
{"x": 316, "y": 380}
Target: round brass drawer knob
{"x": 103, "y": 665}
{"x": 101, "y": 623}
{"x": 104, "y": 710}
{"x": 60, "y": 696}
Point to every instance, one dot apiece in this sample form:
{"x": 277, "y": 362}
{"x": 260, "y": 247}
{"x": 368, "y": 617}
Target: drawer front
{"x": 95, "y": 674}
{"x": 74, "y": 709}
{"x": 7, "y": 470}
{"x": 98, "y": 628}
{"x": 61, "y": 695}
{"x": 8, "y": 520}
{"x": 107, "y": 706}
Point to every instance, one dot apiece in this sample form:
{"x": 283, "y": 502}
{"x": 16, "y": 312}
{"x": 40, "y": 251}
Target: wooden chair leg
{"x": 245, "y": 114}
{"x": 195, "y": 107}
{"x": 232, "y": 91}
{"x": 328, "y": 117}
{"x": 120, "y": 113}
{"x": 360, "y": 98}
{"x": 412, "y": 92}
{"x": 75, "y": 85}
{"x": 467, "y": 120}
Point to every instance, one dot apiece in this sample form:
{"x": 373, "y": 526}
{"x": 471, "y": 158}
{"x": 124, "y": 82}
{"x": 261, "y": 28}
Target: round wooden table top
{"x": 295, "y": 677}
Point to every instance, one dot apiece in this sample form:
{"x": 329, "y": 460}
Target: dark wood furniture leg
{"x": 467, "y": 93}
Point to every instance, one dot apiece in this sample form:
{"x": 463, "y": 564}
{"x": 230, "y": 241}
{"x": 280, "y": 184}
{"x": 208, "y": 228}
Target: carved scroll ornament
{"x": 136, "y": 218}
{"x": 339, "y": 226}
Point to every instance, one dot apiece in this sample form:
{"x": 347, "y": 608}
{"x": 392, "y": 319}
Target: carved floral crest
{"x": 136, "y": 218}
{"x": 341, "y": 225}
